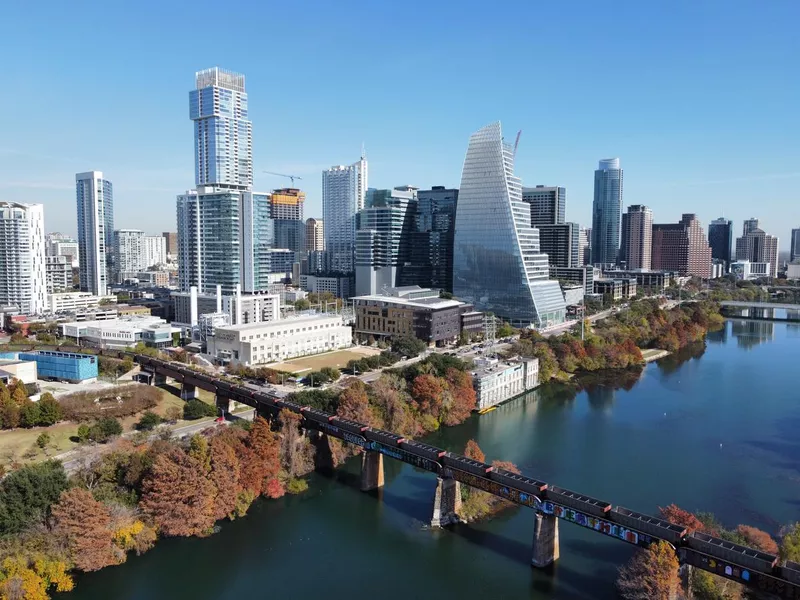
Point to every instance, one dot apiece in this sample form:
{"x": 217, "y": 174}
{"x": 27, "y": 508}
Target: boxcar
{"x": 293, "y": 406}
{"x": 463, "y": 463}
{"x": 584, "y": 504}
{"x": 429, "y": 452}
{"x": 732, "y": 553}
{"x": 791, "y": 572}
{"x": 520, "y": 482}
{"x": 348, "y": 425}
{"x": 384, "y": 437}
{"x": 316, "y": 415}
{"x": 658, "y": 528}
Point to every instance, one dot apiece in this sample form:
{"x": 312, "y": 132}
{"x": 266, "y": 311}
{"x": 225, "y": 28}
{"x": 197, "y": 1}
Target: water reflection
{"x": 600, "y": 388}
{"x": 671, "y": 363}
{"x": 749, "y": 334}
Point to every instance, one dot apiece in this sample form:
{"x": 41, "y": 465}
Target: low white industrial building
{"x": 496, "y": 381}
{"x": 122, "y": 333}
{"x": 70, "y": 301}
{"x": 260, "y": 343}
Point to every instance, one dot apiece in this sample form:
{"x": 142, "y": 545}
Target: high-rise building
{"x": 171, "y": 244}
{"x": 286, "y": 210}
{"x": 430, "y": 256}
{"x": 344, "y": 191}
{"x": 636, "y": 247}
{"x": 561, "y": 243}
{"x": 584, "y": 249}
{"x": 682, "y": 247}
{"x": 128, "y": 252}
{"x": 58, "y": 274}
{"x": 382, "y": 238}
{"x": 223, "y": 135}
{"x": 720, "y": 237}
{"x": 497, "y": 265}
{"x": 606, "y": 212}
{"x": 548, "y": 204}
{"x": 224, "y": 238}
{"x": 154, "y": 250}
{"x": 315, "y": 235}
{"x": 58, "y": 244}
{"x": 794, "y": 246}
{"x": 225, "y": 231}
{"x": 95, "y": 201}
{"x": 23, "y": 279}
{"x": 756, "y": 246}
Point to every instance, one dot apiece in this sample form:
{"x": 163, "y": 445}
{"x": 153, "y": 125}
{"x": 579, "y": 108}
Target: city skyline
{"x": 671, "y": 127}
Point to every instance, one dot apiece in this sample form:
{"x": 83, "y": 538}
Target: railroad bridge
{"x": 550, "y": 503}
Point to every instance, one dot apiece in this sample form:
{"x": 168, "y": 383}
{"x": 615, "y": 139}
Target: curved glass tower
{"x": 607, "y": 212}
{"x": 497, "y": 265}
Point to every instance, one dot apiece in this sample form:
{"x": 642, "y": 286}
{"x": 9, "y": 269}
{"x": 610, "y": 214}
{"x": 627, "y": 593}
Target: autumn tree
{"x": 391, "y": 398}
{"x": 31, "y": 577}
{"x": 199, "y": 450}
{"x": 297, "y": 453}
{"x": 9, "y": 412}
{"x": 354, "y": 403}
{"x": 225, "y": 477}
{"x": 84, "y": 523}
{"x": 262, "y": 463}
{"x": 178, "y": 495}
{"x": 758, "y": 539}
{"x": 463, "y": 398}
{"x": 675, "y": 514}
{"x": 652, "y": 574}
{"x": 19, "y": 393}
{"x": 474, "y": 452}
{"x": 427, "y": 391}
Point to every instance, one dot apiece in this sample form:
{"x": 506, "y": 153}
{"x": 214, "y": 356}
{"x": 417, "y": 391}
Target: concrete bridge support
{"x": 159, "y": 379}
{"x": 545, "y": 540}
{"x": 371, "y": 470}
{"x": 446, "y": 502}
{"x": 188, "y": 392}
{"x": 223, "y": 405}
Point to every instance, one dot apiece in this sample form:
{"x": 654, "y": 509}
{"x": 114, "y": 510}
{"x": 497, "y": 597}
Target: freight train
{"x": 677, "y": 535}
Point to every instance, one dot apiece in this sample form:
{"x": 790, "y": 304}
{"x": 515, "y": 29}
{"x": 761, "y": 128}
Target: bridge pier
{"x": 545, "y": 540}
{"x": 189, "y": 392}
{"x": 223, "y": 405}
{"x": 159, "y": 379}
{"x": 446, "y": 502}
{"x": 371, "y": 470}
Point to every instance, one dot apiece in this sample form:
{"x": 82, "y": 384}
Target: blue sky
{"x": 699, "y": 99}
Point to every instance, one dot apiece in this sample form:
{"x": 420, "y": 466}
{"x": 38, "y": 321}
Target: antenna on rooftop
{"x": 516, "y": 143}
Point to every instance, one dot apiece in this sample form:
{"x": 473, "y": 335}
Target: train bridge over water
{"x": 550, "y": 503}
{"x": 761, "y": 311}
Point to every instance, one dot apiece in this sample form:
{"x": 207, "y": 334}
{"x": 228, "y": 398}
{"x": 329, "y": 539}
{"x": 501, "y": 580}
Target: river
{"x": 714, "y": 428}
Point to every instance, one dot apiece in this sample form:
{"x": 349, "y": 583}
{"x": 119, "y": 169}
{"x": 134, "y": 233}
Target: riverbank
{"x": 652, "y": 354}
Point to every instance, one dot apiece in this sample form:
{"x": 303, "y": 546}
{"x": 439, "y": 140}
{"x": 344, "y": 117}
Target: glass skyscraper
{"x": 95, "y": 205}
{"x": 720, "y": 238}
{"x": 344, "y": 191}
{"x": 225, "y": 232}
{"x": 223, "y": 135}
{"x": 606, "y": 212}
{"x": 497, "y": 264}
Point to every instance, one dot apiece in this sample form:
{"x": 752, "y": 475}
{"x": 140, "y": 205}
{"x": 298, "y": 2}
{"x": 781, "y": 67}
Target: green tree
{"x": 83, "y": 432}
{"x": 302, "y": 304}
{"x": 9, "y": 412}
{"x": 105, "y": 429}
{"x": 148, "y": 421}
{"x": 408, "y": 345}
{"x": 197, "y": 409}
{"x": 29, "y": 413}
{"x": 790, "y": 542}
{"x": 27, "y": 493}
{"x": 505, "y": 330}
{"x": 50, "y": 411}
{"x": 43, "y": 440}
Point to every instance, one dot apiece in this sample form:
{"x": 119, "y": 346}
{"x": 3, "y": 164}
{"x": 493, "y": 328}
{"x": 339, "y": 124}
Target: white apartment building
{"x": 58, "y": 244}
{"x": 23, "y": 278}
{"x": 260, "y": 343}
{"x": 497, "y": 381}
{"x": 95, "y": 200}
{"x": 344, "y": 190}
{"x": 58, "y": 271}
{"x": 128, "y": 251}
{"x": 71, "y": 301}
{"x": 154, "y": 251}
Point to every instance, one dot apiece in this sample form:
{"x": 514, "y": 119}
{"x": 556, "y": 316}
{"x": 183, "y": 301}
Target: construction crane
{"x": 292, "y": 177}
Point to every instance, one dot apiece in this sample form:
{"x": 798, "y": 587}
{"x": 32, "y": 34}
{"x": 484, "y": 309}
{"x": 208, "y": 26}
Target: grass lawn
{"x": 338, "y": 359}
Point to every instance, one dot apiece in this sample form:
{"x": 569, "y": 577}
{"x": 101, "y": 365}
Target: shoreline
{"x": 654, "y": 354}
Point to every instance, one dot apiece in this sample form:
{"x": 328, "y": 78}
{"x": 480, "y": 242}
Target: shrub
{"x": 104, "y": 430}
{"x": 50, "y": 411}
{"x": 197, "y": 409}
{"x": 132, "y": 399}
{"x": 83, "y": 432}
{"x": 148, "y": 421}
{"x": 43, "y": 440}
{"x": 296, "y": 486}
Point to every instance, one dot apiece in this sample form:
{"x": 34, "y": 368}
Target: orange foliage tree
{"x": 428, "y": 392}
{"x": 675, "y": 514}
{"x": 85, "y": 524}
{"x": 473, "y": 451}
{"x": 760, "y": 540}
{"x": 178, "y": 495}
{"x": 652, "y": 574}
{"x": 463, "y": 397}
{"x": 225, "y": 477}
{"x": 263, "y": 462}
{"x": 354, "y": 404}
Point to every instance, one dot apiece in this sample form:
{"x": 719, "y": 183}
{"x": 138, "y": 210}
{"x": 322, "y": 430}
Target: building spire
{"x": 363, "y": 151}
